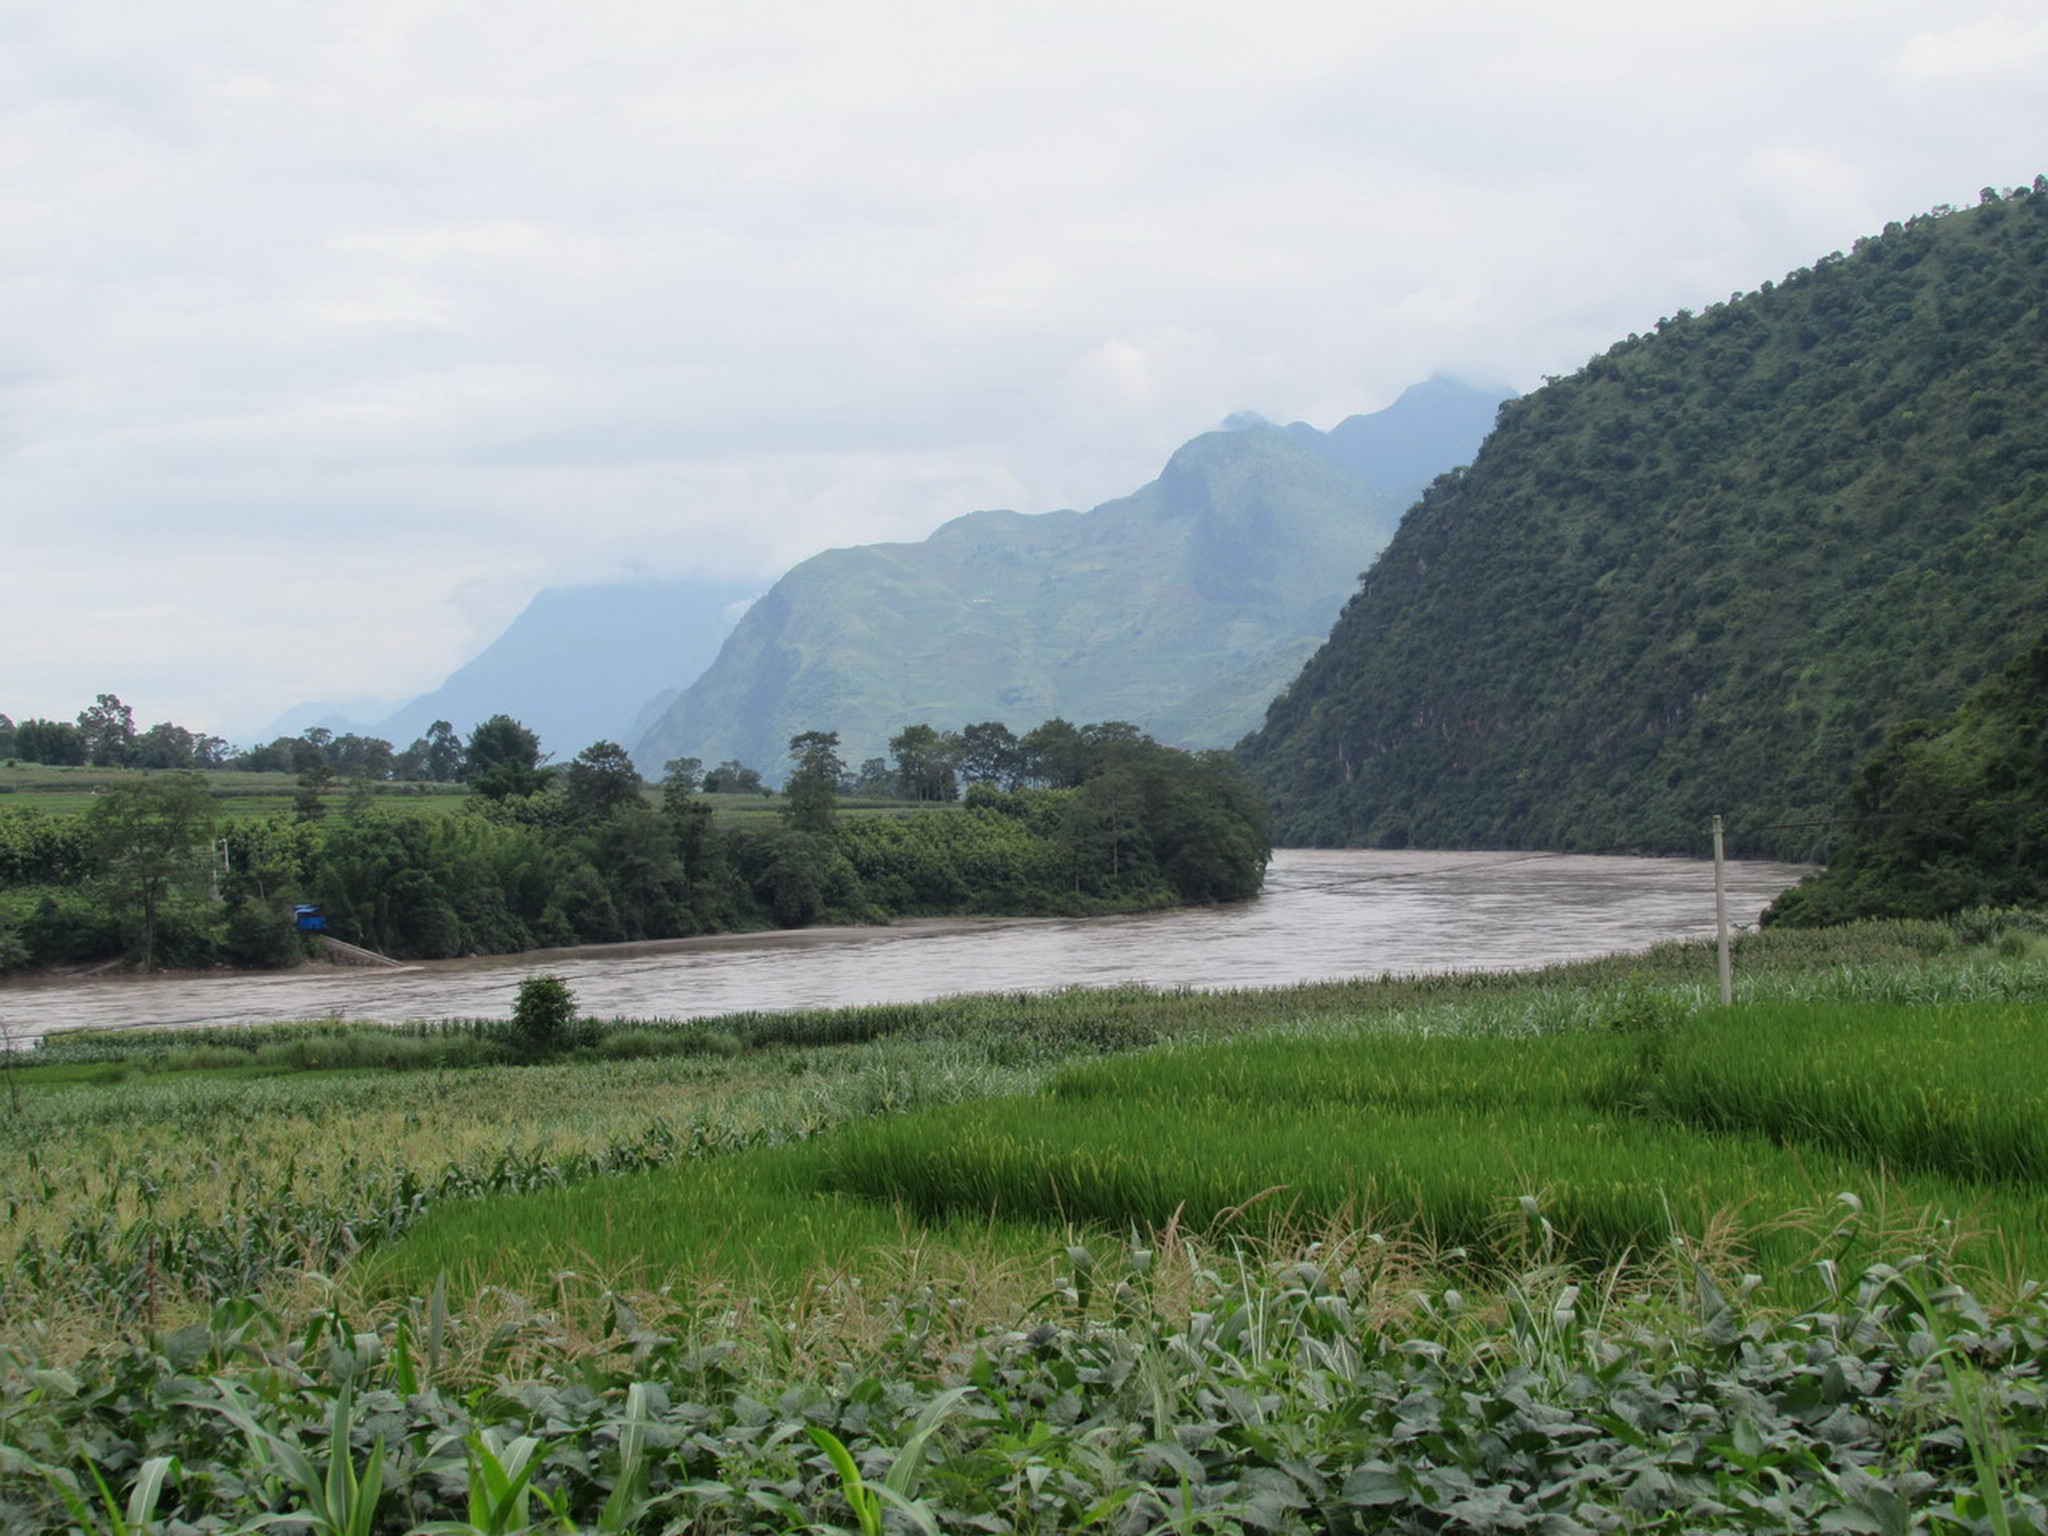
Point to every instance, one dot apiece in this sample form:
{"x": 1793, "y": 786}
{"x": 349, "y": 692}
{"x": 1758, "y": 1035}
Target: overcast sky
{"x": 330, "y": 332}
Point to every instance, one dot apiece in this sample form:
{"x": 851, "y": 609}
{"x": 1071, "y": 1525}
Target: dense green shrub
{"x": 259, "y": 935}
{"x": 543, "y": 1018}
{"x": 1946, "y": 816}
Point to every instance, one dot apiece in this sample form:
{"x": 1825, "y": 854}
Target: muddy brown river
{"x": 1325, "y": 913}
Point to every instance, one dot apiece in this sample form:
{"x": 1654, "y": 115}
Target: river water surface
{"x": 1325, "y": 913}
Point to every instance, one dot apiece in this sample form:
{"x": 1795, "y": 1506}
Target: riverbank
{"x": 1324, "y": 914}
{"x": 707, "y": 943}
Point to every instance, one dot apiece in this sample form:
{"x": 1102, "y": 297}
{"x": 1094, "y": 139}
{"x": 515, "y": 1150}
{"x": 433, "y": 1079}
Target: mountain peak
{"x": 1179, "y": 607}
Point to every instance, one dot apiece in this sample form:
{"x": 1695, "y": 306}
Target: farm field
{"x": 1575, "y": 1250}
{"x": 67, "y": 790}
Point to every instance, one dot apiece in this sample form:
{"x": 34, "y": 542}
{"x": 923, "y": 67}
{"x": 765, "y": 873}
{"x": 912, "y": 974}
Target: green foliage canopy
{"x": 504, "y": 759}
{"x": 146, "y": 834}
{"x": 1704, "y": 574}
{"x": 589, "y": 860}
{"x": 1946, "y": 815}
{"x": 810, "y": 796}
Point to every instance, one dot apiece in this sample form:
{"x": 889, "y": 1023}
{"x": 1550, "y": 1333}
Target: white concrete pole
{"x": 1721, "y": 920}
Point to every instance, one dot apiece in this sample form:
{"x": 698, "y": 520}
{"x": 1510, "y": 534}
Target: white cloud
{"x": 1985, "y": 49}
{"x": 328, "y": 333}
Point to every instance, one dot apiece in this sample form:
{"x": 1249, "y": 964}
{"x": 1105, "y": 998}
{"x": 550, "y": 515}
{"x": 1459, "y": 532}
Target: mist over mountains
{"x": 578, "y": 665}
{"x": 1182, "y": 608}
{"x": 585, "y": 664}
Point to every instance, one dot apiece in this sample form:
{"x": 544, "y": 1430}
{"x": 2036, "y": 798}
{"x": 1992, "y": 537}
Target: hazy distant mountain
{"x": 1431, "y": 428}
{"x": 340, "y": 716}
{"x": 1183, "y": 607}
{"x": 581, "y": 664}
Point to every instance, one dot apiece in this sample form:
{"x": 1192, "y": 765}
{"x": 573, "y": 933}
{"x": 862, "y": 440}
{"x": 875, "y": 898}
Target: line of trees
{"x": 104, "y": 736}
{"x": 503, "y": 758}
{"x": 932, "y": 766}
{"x": 587, "y": 853}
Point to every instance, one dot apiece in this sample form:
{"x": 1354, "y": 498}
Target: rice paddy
{"x": 1590, "y": 1147}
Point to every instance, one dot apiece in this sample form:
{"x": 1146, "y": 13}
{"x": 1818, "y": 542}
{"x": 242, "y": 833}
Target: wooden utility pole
{"x": 1721, "y": 920}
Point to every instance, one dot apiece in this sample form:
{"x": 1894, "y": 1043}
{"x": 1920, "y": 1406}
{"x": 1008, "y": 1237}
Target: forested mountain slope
{"x": 1947, "y": 815}
{"x": 1183, "y": 607}
{"x": 1706, "y": 573}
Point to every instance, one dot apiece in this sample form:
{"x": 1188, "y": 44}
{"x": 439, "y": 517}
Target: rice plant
{"x": 1959, "y": 1089}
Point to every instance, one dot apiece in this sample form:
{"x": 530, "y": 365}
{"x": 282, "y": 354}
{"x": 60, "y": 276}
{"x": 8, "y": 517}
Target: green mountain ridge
{"x": 1707, "y": 573}
{"x": 1181, "y": 607}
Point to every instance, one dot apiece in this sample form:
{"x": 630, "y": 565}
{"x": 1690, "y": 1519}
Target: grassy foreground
{"x": 1567, "y": 1251}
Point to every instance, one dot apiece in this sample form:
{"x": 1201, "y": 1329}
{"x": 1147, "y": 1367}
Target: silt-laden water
{"x": 1326, "y": 913}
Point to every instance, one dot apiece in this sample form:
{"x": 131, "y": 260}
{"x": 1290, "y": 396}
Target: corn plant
{"x": 335, "y": 1500}
{"x": 135, "y": 1517}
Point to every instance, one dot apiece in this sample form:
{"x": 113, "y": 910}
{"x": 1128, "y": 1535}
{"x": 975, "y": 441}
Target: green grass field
{"x": 69, "y": 790}
{"x": 1585, "y": 1147}
{"x": 1578, "y": 1248}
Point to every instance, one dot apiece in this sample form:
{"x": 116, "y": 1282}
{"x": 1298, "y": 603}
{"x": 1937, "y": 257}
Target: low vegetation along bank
{"x": 1576, "y": 1250}
{"x": 160, "y": 870}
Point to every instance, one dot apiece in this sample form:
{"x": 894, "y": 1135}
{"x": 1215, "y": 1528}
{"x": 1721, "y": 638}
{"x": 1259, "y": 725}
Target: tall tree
{"x": 924, "y": 763}
{"x": 732, "y": 777}
{"x": 504, "y": 759}
{"x": 316, "y": 777}
{"x": 435, "y": 757}
{"x": 990, "y": 754}
{"x": 600, "y": 780}
{"x": 811, "y": 795}
{"x": 109, "y": 731}
{"x": 874, "y": 779}
{"x": 309, "y": 751}
{"x": 146, "y": 834}
{"x": 1054, "y": 754}
{"x": 361, "y": 757}
{"x": 164, "y": 745}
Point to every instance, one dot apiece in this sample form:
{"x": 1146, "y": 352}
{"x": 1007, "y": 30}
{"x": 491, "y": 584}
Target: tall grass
{"x": 1589, "y": 1147}
{"x": 756, "y": 1225}
{"x": 1493, "y": 1176}
{"x": 159, "y": 1195}
{"x": 1330, "y": 1072}
{"x": 1959, "y": 1089}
